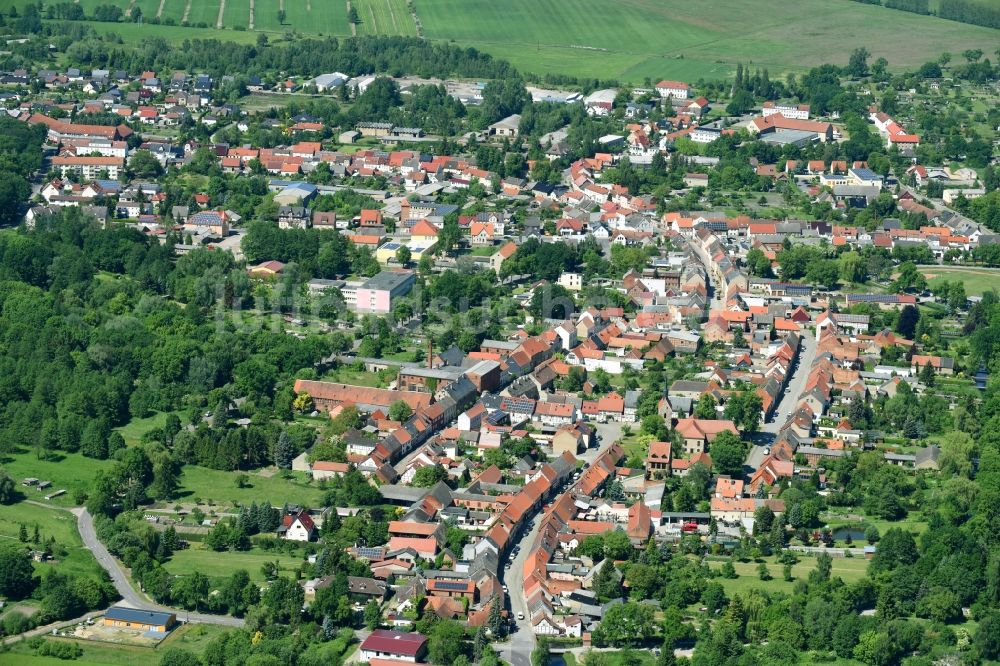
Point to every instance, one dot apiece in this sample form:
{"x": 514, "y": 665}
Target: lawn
{"x": 911, "y": 523}
{"x": 134, "y": 430}
{"x": 850, "y": 569}
{"x": 57, "y": 523}
{"x": 347, "y": 375}
{"x": 976, "y": 280}
{"x": 635, "y": 446}
{"x": 642, "y": 657}
{"x": 221, "y": 565}
{"x": 71, "y": 471}
{"x": 220, "y": 488}
{"x": 193, "y": 637}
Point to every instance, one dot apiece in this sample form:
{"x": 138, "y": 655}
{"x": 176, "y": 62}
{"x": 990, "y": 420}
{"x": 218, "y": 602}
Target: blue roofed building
{"x": 139, "y": 620}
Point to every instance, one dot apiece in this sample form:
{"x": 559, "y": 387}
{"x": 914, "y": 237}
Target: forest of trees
{"x": 88, "y": 353}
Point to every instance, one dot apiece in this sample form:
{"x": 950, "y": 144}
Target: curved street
{"x": 130, "y": 596}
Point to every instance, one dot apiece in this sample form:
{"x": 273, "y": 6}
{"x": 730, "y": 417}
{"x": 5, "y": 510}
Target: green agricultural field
{"x": 237, "y": 14}
{"x": 976, "y": 280}
{"x": 173, "y": 9}
{"x": 204, "y": 11}
{"x": 221, "y": 565}
{"x": 89, "y": 5}
{"x": 639, "y": 38}
{"x": 631, "y": 40}
{"x": 384, "y": 17}
{"x": 148, "y": 7}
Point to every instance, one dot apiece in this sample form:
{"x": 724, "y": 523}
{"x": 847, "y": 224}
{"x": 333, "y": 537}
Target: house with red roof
{"x": 676, "y": 89}
{"x": 297, "y": 526}
{"x": 386, "y": 644}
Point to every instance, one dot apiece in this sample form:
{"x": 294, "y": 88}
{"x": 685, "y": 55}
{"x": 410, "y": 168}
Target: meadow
{"x": 631, "y": 40}
{"x": 850, "y": 569}
{"x": 976, "y": 280}
{"x": 218, "y": 566}
{"x": 54, "y": 522}
{"x": 75, "y": 472}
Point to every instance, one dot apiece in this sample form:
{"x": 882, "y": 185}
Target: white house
{"x": 297, "y": 527}
{"x": 677, "y": 89}
{"x": 542, "y": 625}
{"x": 571, "y": 281}
{"x": 793, "y": 111}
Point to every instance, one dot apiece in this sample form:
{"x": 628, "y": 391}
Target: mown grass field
{"x": 71, "y": 471}
{"x": 850, "y": 569}
{"x": 133, "y": 431}
{"x": 220, "y": 487}
{"x": 218, "y": 566}
{"x": 75, "y": 472}
{"x": 631, "y": 40}
{"x": 976, "y": 280}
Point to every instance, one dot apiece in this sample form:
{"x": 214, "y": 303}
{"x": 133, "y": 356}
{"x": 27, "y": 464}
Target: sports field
{"x": 629, "y": 40}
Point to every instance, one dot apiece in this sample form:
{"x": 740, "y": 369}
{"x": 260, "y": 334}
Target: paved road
{"x": 517, "y": 650}
{"x": 796, "y": 386}
{"x": 789, "y": 401}
{"x": 130, "y": 596}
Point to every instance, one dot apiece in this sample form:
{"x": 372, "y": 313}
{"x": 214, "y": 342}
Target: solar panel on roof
{"x": 369, "y": 553}
{"x": 448, "y": 585}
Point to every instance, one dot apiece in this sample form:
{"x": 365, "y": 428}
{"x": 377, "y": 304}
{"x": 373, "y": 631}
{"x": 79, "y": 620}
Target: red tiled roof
{"x": 394, "y": 642}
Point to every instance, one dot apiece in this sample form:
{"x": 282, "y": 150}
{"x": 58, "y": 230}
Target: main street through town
{"x": 517, "y": 650}
{"x": 790, "y": 399}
